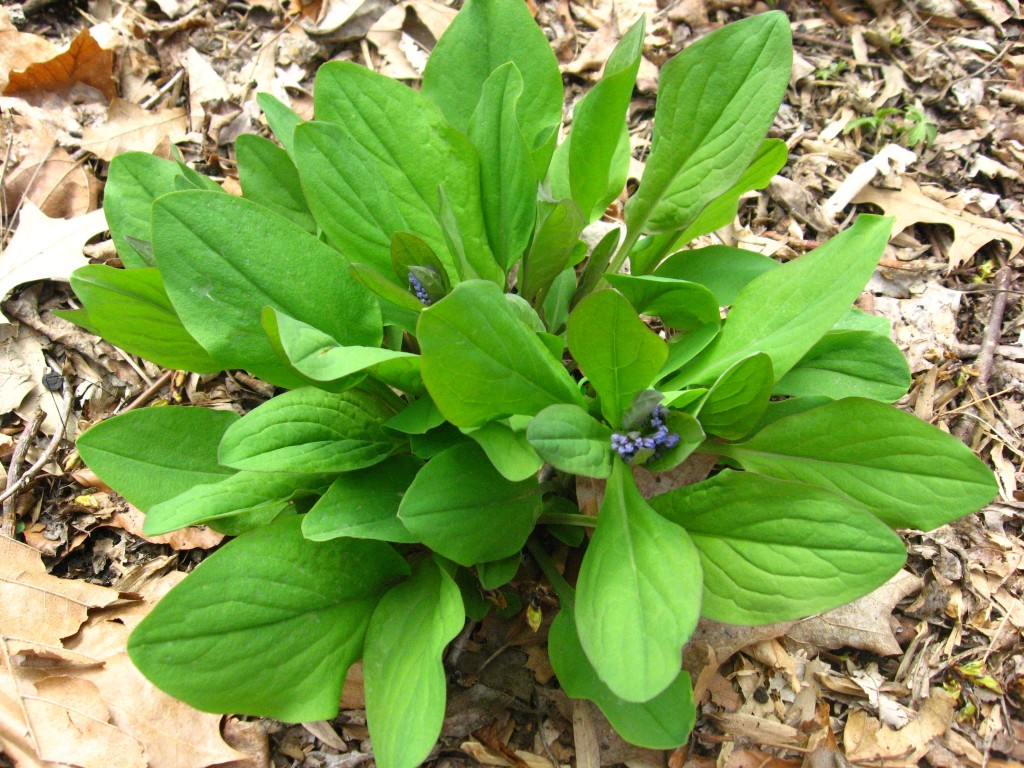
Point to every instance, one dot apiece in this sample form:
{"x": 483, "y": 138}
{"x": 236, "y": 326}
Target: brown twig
{"x": 27, "y": 434}
{"x": 986, "y": 353}
{"x": 15, "y": 486}
{"x": 149, "y": 393}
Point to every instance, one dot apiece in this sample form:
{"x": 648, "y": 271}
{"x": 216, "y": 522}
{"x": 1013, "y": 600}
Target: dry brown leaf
{"x": 60, "y": 186}
{"x": 970, "y": 232}
{"x": 20, "y": 347}
{"x": 867, "y": 740}
{"x": 404, "y": 57}
{"x": 46, "y": 249}
{"x": 193, "y": 537}
{"x": 863, "y": 624}
{"x": 80, "y": 701}
{"x": 129, "y": 127}
{"x": 204, "y": 86}
{"x": 20, "y": 49}
{"x": 84, "y": 63}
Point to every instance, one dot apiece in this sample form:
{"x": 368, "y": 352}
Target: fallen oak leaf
{"x": 46, "y": 249}
{"x": 83, "y": 63}
{"x": 20, "y": 49}
{"x": 129, "y": 128}
{"x": 970, "y": 232}
{"x": 865, "y": 739}
{"x": 59, "y": 185}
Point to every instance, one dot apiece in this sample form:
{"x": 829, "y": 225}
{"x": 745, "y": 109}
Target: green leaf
{"x": 616, "y": 351}
{"x": 572, "y": 441}
{"x": 716, "y": 100}
{"x": 597, "y": 263}
{"x": 224, "y": 259}
{"x": 402, "y": 666}
{"x": 556, "y": 303}
{"x": 682, "y": 348}
{"x": 638, "y": 593}
{"x": 508, "y": 184}
{"x": 413, "y": 150}
{"x": 803, "y": 298}
{"x": 780, "y": 409}
{"x": 483, "y": 36}
{"x": 849, "y": 364}
{"x": 364, "y": 504}
{"x": 558, "y": 231}
{"x": 410, "y": 255}
{"x": 508, "y": 449}
{"x": 418, "y": 417}
{"x": 462, "y": 508}
{"x": 858, "y": 320}
{"x": 153, "y": 454}
{"x": 134, "y": 181}
{"x": 681, "y": 306}
{"x": 718, "y": 213}
{"x": 596, "y": 175}
{"x": 130, "y": 309}
{"x": 281, "y": 119}
{"x": 736, "y": 402}
{"x": 243, "y": 493}
{"x": 269, "y": 177}
{"x": 908, "y": 473}
{"x": 268, "y": 625}
{"x": 316, "y": 355}
{"x": 309, "y": 430}
{"x": 664, "y": 722}
{"x": 773, "y": 550}
{"x": 480, "y": 363}
{"x": 498, "y": 573}
{"x": 722, "y": 270}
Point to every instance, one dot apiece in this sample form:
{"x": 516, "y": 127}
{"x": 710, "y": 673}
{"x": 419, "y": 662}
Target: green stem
{"x": 566, "y": 594}
{"x": 632, "y": 238}
{"x": 567, "y": 518}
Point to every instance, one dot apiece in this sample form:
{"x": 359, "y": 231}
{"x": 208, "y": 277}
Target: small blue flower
{"x": 419, "y": 291}
{"x": 658, "y": 439}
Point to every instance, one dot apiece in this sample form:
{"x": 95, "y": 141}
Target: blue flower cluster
{"x": 632, "y": 444}
{"x": 419, "y": 290}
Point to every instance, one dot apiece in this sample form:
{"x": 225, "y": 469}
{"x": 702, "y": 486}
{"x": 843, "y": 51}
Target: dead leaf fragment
{"x": 20, "y": 49}
{"x": 868, "y": 740}
{"x": 129, "y": 128}
{"x": 863, "y": 624}
{"x": 970, "y": 232}
{"x": 84, "y": 63}
{"x": 46, "y": 249}
{"x": 59, "y": 185}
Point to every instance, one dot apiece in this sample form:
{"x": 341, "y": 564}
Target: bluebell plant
{"x": 449, "y": 355}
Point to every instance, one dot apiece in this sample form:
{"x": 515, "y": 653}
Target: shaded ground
{"x": 930, "y": 670}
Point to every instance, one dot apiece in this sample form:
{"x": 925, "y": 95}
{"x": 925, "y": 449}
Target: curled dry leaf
{"x": 404, "y": 58}
{"x": 60, "y": 186}
{"x": 911, "y": 206}
{"x": 68, "y": 692}
{"x": 129, "y": 128}
{"x": 43, "y": 248}
{"x": 84, "y": 63}
{"x": 867, "y": 740}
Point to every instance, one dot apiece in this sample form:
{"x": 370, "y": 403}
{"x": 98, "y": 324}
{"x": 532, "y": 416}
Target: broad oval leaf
{"x": 571, "y": 440}
{"x": 616, "y": 351}
{"x": 311, "y": 431}
{"x": 462, "y": 508}
{"x": 269, "y": 177}
{"x": 773, "y": 550}
{"x": 681, "y": 305}
{"x": 508, "y": 449}
{"x": 805, "y": 297}
{"x": 638, "y": 593}
{"x": 723, "y": 270}
{"x": 664, "y": 722}
{"x": 241, "y": 494}
{"x": 485, "y": 35}
{"x": 223, "y": 259}
{"x": 281, "y": 118}
{"x": 716, "y": 100}
{"x": 267, "y": 625}
{"x": 480, "y": 362}
{"x": 130, "y": 309}
{"x": 403, "y": 668}
{"x": 907, "y": 472}
{"x": 153, "y": 454}
{"x": 736, "y": 402}
{"x": 849, "y": 363}
{"x": 134, "y": 181}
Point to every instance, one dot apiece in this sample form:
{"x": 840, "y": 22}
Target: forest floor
{"x": 912, "y": 108}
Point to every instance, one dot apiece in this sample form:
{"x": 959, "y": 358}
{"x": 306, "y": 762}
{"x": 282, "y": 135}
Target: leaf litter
{"x": 928, "y": 670}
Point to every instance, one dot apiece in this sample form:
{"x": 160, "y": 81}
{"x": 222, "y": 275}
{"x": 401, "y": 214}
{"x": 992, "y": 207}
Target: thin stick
{"x": 146, "y": 396}
{"x": 8, "y": 522}
{"x": 14, "y": 488}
